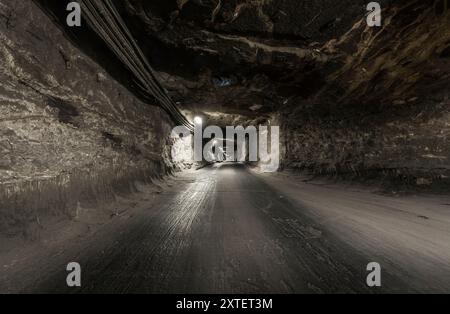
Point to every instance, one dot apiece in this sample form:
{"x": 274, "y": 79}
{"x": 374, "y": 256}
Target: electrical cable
{"x": 104, "y": 19}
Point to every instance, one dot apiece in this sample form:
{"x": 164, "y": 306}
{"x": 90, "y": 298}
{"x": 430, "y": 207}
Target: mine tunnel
{"x": 120, "y": 151}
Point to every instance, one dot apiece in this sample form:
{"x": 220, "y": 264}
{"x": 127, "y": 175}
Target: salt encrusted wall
{"x": 68, "y": 131}
{"x": 408, "y": 144}
{"x": 385, "y": 107}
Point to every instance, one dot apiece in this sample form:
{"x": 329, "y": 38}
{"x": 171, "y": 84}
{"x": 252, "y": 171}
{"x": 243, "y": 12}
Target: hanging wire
{"x": 105, "y": 20}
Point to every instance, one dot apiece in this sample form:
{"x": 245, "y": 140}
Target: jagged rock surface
{"x": 68, "y": 131}
{"x": 353, "y": 99}
{"x": 349, "y": 98}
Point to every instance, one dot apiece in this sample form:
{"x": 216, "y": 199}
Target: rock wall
{"x": 385, "y": 108}
{"x": 408, "y": 144}
{"x": 68, "y": 131}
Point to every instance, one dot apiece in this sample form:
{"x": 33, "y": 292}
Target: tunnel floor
{"x": 228, "y": 229}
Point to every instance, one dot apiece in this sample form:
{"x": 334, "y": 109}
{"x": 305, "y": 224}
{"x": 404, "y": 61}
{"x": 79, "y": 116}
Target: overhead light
{"x": 198, "y": 120}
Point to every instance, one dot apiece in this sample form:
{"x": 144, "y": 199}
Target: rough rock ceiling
{"x": 242, "y": 57}
{"x": 241, "y": 60}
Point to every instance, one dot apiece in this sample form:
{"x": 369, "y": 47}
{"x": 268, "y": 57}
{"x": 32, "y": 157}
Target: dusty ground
{"x": 227, "y": 229}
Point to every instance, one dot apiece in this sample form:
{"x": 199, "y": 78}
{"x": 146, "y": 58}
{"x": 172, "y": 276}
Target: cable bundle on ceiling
{"x": 105, "y": 20}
